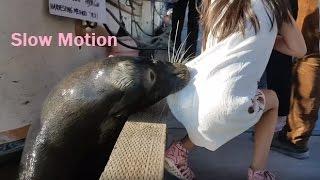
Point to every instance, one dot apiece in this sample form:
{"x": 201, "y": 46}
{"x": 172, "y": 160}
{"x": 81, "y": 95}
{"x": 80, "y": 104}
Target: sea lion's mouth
{"x": 183, "y": 75}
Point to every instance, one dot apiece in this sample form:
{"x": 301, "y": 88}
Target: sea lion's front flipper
{"x": 124, "y": 107}
{"x": 110, "y": 129}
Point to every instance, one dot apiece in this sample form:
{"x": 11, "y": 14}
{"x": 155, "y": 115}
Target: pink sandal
{"x": 176, "y": 162}
{"x": 260, "y": 175}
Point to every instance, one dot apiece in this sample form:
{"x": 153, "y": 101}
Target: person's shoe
{"x": 176, "y": 162}
{"x": 284, "y": 146}
{"x": 260, "y": 175}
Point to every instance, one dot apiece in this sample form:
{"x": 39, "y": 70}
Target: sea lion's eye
{"x": 150, "y": 79}
{"x": 152, "y": 76}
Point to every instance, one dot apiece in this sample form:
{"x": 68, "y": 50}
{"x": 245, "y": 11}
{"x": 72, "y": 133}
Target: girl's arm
{"x": 290, "y": 41}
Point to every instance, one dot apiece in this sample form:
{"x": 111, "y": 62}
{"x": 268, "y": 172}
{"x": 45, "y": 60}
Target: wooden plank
{"x": 139, "y": 150}
{"x": 14, "y": 134}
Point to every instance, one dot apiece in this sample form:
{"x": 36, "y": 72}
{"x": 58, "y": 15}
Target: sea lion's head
{"x": 141, "y": 81}
{"x": 164, "y": 78}
{"x": 169, "y": 76}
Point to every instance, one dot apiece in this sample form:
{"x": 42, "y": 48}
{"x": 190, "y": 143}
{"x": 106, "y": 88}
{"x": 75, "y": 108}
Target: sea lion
{"x": 84, "y": 114}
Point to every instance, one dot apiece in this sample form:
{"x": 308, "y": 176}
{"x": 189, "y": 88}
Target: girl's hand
{"x": 290, "y": 41}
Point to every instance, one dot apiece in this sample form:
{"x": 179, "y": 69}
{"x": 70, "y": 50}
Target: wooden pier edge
{"x": 139, "y": 150}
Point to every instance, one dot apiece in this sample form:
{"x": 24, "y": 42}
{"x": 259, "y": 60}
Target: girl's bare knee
{"x": 272, "y": 101}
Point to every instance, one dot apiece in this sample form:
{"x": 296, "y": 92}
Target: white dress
{"x": 215, "y": 106}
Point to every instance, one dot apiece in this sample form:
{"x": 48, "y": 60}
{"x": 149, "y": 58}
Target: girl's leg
{"x": 176, "y": 159}
{"x": 264, "y": 130}
{"x": 186, "y": 143}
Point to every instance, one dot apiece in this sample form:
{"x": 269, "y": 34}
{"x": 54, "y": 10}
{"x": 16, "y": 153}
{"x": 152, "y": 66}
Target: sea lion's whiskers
{"x": 161, "y": 113}
{"x": 187, "y": 59}
{"x": 179, "y": 53}
{"x": 179, "y": 50}
{"x": 174, "y": 58}
{"x": 182, "y": 56}
{"x": 175, "y": 40}
{"x": 169, "y": 45}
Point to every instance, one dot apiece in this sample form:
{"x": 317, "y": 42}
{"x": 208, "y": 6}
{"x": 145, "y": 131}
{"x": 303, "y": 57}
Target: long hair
{"x": 221, "y": 18}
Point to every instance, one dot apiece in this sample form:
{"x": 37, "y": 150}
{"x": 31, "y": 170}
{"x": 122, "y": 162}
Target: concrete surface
{"x": 230, "y": 162}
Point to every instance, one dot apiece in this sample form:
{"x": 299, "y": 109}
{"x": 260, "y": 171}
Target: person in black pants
{"x": 279, "y": 79}
{"x": 279, "y": 72}
{"x": 179, "y": 11}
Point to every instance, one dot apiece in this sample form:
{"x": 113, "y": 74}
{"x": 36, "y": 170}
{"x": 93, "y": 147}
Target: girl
{"x": 222, "y": 99}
